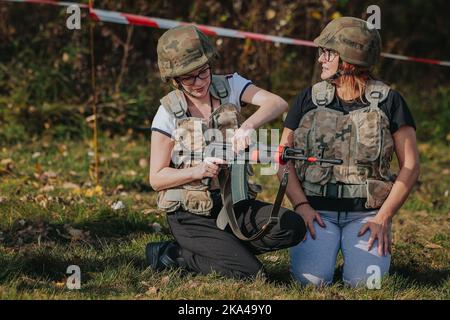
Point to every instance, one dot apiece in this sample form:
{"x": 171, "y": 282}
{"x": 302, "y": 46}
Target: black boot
{"x": 164, "y": 255}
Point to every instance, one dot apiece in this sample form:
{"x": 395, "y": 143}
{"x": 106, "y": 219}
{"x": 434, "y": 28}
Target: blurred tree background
{"x": 45, "y": 78}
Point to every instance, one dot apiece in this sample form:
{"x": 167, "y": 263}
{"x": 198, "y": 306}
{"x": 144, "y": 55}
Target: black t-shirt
{"x": 394, "y": 107}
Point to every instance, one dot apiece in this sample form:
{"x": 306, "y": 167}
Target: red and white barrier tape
{"x": 131, "y": 19}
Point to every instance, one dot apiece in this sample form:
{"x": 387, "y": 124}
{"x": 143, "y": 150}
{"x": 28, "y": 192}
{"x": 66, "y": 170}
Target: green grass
{"x": 46, "y": 226}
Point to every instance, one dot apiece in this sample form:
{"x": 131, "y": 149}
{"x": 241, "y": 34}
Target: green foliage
{"x": 46, "y": 67}
{"x": 432, "y": 113}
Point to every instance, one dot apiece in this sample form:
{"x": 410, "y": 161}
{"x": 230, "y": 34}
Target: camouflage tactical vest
{"x": 189, "y": 135}
{"x": 362, "y": 139}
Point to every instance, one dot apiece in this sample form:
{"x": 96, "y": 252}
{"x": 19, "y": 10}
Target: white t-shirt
{"x": 165, "y": 123}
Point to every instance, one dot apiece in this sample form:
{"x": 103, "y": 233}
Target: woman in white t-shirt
{"x": 185, "y": 55}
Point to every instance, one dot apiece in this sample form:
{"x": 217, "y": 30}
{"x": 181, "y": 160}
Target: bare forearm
{"x": 171, "y": 177}
{"x": 268, "y": 111}
{"x": 400, "y": 191}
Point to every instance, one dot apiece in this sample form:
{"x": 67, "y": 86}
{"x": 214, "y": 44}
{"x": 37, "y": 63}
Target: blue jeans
{"x": 314, "y": 261}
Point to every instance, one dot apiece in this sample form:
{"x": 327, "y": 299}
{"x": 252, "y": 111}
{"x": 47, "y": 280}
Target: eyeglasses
{"x": 329, "y": 55}
{"x": 189, "y": 81}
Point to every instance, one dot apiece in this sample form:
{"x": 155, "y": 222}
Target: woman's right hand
{"x": 209, "y": 168}
{"x": 309, "y": 215}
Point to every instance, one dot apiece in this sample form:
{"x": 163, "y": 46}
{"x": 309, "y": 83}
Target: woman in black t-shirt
{"x": 351, "y": 117}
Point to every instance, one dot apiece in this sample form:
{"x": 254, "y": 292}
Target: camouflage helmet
{"x": 352, "y": 39}
{"x": 183, "y": 49}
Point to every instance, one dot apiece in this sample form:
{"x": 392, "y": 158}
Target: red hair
{"x": 353, "y": 78}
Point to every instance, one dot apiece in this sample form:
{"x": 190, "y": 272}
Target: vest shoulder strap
{"x": 220, "y": 88}
{"x": 175, "y": 103}
{"x": 376, "y": 92}
{"x": 322, "y": 93}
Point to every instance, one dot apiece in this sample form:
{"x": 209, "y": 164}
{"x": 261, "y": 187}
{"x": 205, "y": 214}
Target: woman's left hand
{"x": 241, "y": 139}
{"x": 380, "y": 229}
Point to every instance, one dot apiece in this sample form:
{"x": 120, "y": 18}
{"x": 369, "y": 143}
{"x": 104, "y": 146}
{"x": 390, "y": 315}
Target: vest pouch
{"x": 226, "y": 117}
{"x": 368, "y": 135}
{"x": 169, "y": 200}
{"x": 387, "y": 150}
{"x": 377, "y": 192}
{"x": 197, "y": 200}
{"x": 317, "y": 174}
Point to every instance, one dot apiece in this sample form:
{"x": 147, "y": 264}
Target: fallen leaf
{"x": 151, "y": 291}
{"x": 316, "y": 15}
{"x": 70, "y": 185}
{"x": 148, "y": 211}
{"x": 131, "y": 173}
{"x": 47, "y": 188}
{"x": 90, "y": 118}
{"x": 192, "y": 284}
{"x": 422, "y": 213}
{"x": 77, "y": 234}
{"x": 38, "y": 169}
{"x": 8, "y": 164}
{"x": 165, "y": 280}
{"x": 433, "y": 246}
{"x": 118, "y": 205}
{"x": 271, "y": 258}
{"x": 336, "y": 15}
{"x": 270, "y": 14}
{"x": 96, "y": 191}
{"x": 50, "y": 174}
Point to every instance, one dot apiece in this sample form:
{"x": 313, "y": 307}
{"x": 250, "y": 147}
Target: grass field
{"x": 52, "y": 217}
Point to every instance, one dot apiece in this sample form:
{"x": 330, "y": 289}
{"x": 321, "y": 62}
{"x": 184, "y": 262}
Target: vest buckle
{"x": 333, "y": 190}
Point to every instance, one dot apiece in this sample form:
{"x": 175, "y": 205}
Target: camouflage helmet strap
{"x": 175, "y": 103}
{"x": 322, "y": 93}
{"x": 376, "y": 92}
{"x": 220, "y": 88}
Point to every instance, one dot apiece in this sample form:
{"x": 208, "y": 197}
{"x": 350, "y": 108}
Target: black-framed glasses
{"x": 189, "y": 81}
{"x": 329, "y": 55}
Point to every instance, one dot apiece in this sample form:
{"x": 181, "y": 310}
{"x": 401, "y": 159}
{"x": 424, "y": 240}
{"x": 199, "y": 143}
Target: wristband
{"x": 300, "y": 204}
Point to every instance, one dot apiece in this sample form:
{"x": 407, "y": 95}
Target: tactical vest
{"x": 362, "y": 139}
{"x": 189, "y": 136}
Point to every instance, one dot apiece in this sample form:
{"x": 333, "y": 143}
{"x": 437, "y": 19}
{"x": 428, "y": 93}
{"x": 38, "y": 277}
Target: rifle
{"x": 280, "y": 154}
